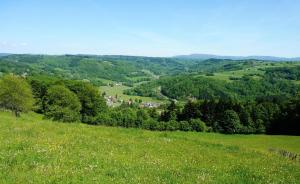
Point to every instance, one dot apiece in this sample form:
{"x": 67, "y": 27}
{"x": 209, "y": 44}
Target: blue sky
{"x": 152, "y": 27}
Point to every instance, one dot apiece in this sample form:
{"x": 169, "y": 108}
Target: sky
{"x": 151, "y": 27}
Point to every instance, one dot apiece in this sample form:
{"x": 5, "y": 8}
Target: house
{"x": 110, "y": 100}
{"x": 150, "y": 105}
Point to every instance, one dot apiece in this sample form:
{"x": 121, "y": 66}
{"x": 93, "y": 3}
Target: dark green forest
{"x": 246, "y": 88}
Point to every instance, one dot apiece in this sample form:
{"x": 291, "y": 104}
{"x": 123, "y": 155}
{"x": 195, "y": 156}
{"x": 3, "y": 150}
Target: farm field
{"x": 33, "y": 150}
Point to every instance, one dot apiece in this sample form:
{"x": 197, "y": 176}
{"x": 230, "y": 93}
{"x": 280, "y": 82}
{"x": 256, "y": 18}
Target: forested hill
{"x": 111, "y": 67}
{"x": 116, "y": 68}
{"x": 128, "y": 69}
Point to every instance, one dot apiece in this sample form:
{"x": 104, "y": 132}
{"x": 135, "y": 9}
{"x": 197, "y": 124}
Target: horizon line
{"x": 132, "y": 55}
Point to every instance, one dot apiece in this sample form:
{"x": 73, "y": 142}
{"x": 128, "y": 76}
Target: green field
{"x": 237, "y": 73}
{"x": 118, "y": 90}
{"x": 33, "y": 150}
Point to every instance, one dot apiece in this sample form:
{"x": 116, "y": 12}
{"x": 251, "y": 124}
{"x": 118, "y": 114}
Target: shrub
{"x": 171, "y": 125}
{"x": 105, "y": 119}
{"x": 198, "y": 125}
{"x": 185, "y": 126}
{"x": 150, "y": 124}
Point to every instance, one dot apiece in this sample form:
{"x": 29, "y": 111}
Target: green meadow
{"x": 118, "y": 90}
{"x": 33, "y": 150}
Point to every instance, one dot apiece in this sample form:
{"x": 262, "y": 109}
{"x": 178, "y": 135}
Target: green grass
{"x": 236, "y": 73}
{"x": 118, "y": 90}
{"x": 33, "y": 150}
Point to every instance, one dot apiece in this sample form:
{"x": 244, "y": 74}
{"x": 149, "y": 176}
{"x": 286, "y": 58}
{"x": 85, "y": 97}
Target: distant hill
{"x": 210, "y": 56}
{"x": 4, "y": 54}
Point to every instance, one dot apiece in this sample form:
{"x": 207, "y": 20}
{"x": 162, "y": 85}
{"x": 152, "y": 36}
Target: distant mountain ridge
{"x": 4, "y": 54}
{"x": 211, "y": 56}
{"x": 188, "y": 57}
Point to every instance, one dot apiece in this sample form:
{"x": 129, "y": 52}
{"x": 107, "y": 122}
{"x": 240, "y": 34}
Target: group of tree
{"x": 290, "y": 73}
{"x": 67, "y": 100}
{"x": 60, "y": 100}
{"x": 271, "y": 116}
{"x": 134, "y": 117}
{"x": 265, "y": 115}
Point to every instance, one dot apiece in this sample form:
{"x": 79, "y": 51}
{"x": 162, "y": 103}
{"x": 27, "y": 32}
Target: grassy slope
{"x": 39, "y": 151}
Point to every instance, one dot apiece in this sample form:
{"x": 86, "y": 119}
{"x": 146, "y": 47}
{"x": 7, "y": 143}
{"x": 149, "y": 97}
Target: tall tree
{"x": 62, "y": 104}
{"x": 15, "y": 94}
{"x": 92, "y": 103}
{"x": 190, "y": 111}
{"x": 170, "y": 113}
{"x": 230, "y": 122}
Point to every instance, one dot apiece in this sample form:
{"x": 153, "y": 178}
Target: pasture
{"x": 34, "y": 150}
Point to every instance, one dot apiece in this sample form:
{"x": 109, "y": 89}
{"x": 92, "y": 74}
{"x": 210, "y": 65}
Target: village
{"x": 114, "y": 97}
